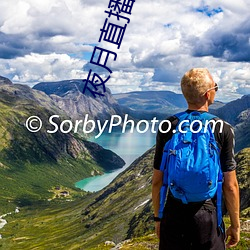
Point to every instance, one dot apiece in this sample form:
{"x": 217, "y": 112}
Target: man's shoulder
{"x": 172, "y": 119}
{"x": 227, "y": 127}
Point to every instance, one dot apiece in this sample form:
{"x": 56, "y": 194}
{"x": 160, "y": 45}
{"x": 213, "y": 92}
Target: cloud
{"x": 47, "y": 26}
{"x": 163, "y": 40}
{"x": 231, "y": 45}
{"x": 34, "y": 68}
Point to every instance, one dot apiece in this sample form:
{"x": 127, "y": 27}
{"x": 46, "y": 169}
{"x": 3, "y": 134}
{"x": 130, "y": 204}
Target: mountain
{"x": 242, "y": 130}
{"x": 149, "y": 104}
{"x": 138, "y": 105}
{"x": 237, "y": 114}
{"x": 4, "y": 80}
{"x": 69, "y": 97}
{"x": 216, "y": 105}
{"x": 122, "y": 210}
{"x": 243, "y": 175}
{"x": 232, "y": 110}
{"x": 32, "y": 163}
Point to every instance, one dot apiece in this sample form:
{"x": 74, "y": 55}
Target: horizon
{"x": 138, "y": 91}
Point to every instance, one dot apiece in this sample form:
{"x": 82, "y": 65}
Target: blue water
{"x": 129, "y": 146}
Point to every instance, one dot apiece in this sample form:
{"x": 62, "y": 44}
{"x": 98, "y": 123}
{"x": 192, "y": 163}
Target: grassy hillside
{"x": 243, "y": 175}
{"x": 121, "y": 211}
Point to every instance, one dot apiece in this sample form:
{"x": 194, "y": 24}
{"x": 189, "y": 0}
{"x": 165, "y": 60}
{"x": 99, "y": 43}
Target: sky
{"x": 53, "y": 40}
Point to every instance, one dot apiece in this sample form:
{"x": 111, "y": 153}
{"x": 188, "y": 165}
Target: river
{"x": 128, "y": 146}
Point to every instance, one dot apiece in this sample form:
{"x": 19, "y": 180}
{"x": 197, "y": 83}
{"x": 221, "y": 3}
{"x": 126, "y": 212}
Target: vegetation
{"x": 117, "y": 213}
{"x": 57, "y": 225}
{"x": 243, "y": 175}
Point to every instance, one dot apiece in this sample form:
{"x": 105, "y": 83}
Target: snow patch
{"x": 143, "y": 186}
{"x": 142, "y": 204}
{"x": 2, "y": 223}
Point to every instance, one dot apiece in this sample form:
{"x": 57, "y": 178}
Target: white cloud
{"x": 47, "y": 40}
{"x": 35, "y": 68}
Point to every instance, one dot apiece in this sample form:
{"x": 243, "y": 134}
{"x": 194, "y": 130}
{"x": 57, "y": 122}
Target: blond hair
{"x": 195, "y": 83}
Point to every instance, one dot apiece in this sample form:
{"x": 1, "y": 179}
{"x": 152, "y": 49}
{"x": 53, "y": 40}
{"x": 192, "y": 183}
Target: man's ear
{"x": 207, "y": 95}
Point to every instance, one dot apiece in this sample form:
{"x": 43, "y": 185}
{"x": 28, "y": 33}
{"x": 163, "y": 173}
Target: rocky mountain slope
{"x": 31, "y": 163}
{"x": 243, "y": 175}
{"x": 69, "y": 97}
{"x": 4, "y": 80}
{"x": 242, "y": 130}
{"x": 237, "y": 114}
{"x": 125, "y": 206}
{"x": 232, "y": 110}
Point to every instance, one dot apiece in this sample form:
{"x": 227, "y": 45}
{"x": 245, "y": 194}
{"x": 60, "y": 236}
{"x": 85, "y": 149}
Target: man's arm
{"x": 231, "y": 195}
{"x": 156, "y": 187}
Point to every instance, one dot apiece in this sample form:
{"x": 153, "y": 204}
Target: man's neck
{"x": 198, "y": 107}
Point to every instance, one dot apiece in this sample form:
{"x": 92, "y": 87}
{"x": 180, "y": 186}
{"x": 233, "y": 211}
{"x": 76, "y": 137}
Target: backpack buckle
{"x": 172, "y": 152}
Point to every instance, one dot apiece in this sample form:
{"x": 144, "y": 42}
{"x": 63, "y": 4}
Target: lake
{"x": 129, "y": 146}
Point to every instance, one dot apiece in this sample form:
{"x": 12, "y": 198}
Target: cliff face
{"x": 242, "y": 130}
{"x": 69, "y": 97}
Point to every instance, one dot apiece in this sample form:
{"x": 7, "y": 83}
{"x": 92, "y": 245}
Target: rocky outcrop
{"x": 4, "y": 80}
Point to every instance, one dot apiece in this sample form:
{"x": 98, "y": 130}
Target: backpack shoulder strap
{"x": 208, "y": 116}
{"x": 182, "y": 115}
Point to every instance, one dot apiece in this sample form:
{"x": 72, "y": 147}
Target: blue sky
{"x": 53, "y": 40}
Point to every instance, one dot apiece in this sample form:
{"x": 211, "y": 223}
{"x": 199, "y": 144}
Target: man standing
{"x": 194, "y": 225}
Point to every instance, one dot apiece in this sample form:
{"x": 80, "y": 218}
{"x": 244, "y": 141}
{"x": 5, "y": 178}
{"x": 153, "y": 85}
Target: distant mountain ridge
{"x": 149, "y": 104}
{"x": 139, "y": 105}
{"x": 151, "y": 100}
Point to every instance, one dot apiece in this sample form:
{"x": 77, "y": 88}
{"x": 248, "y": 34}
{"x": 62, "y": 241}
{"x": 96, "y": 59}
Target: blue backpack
{"x": 191, "y": 162}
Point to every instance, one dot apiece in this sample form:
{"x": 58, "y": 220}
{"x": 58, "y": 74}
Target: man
{"x": 194, "y": 225}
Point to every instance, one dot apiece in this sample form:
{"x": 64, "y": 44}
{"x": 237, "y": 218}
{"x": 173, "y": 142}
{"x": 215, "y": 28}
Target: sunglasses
{"x": 216, "y": 87}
